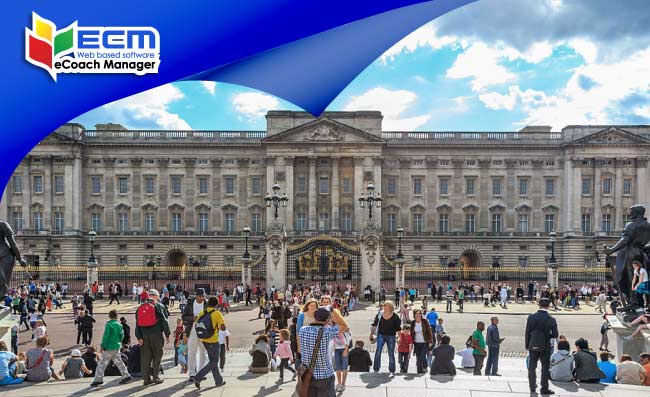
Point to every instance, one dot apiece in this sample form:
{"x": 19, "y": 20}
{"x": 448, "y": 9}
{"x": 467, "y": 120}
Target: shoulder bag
{"x": 304, "y": 374}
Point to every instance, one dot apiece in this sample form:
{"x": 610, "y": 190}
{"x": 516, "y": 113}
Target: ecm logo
{"x": 76, "y": 49}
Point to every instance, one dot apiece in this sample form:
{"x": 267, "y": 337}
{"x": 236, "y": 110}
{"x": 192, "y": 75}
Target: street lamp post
{"x": 553, "y": 273}
{"x": 275, "y": 200}
{"x": 399, "y": 259}
{"x": 371, "y": 200}
{"x": 246, "y": 259}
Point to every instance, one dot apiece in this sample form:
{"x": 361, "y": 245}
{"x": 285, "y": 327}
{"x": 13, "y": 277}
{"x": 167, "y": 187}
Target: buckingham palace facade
{"x": 479, "y": 197}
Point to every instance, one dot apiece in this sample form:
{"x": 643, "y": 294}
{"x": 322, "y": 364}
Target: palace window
{"x": 59, "y": 186}
{"x": 417, "y": 261}
{"x": 256, "y": 185}
{"x": 523, "y": 261}
{"x": 176, "y": 184}
{"x": 301, "y": 184}
{"x": 607, "y": 223}
{"x": 347, "y": 185}
{"x": 418, "y": 222}
{"x": 443, "y": 260}
{"x": 470, "y": 186}
{"x": 496, "y": 186}
{"x": 391, "y": 222}
{"x": 38, "y": 184}
{"x": 607, "y": 186}
{"x": 96, "y": 221}
{"x": 256, "y": 222}
{"x": 324, "y": 221}
{"x": 522, "y": 224}
{"x": 17, "y": 184}
{"x": 496, "y": 223}
{"x": 301, "y": 221}
{"x": 17, "y": 220}
{"x": 346, "y": 220}
{"x": 470, "y": 223}
{"x": 586, "y": 186}
{"x": 123, "y": 185}
{"x": 149, "y": 184}
{"x": 229, "y": 260}
{"x": 586, "y": 223}
{"x": 229, "y": 222}
{"x": 391, "y": 185}
{"x": 626, "y": 219}
{"x": 549, "y": 184}
{"x": 417, "y": 186}
{"x": 96, "y": 183}
{"x": 203, "y": 222}
{"x": 123, "y": 221}
{"x": 58, "y": 221}
{"x": 627, "y": 186}
{"x": 549, "y": 223}
{"x": 523, "y": 186}
{"x": 324, "y": 185}
{"x": 443, "y": 186}
{"x": 203, "y": 185}
{"x": 150, "y": 222}
{"x": 230, "y": 184}
{"x": 444, "y": 223}
{"x": 37, "y": 217}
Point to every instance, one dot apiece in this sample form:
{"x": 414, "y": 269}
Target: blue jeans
{"x": 492, "y": 365}
{"x": 421, "y": 356}
{"x": 212, "y": 366}
{"x": 389, "y": 340}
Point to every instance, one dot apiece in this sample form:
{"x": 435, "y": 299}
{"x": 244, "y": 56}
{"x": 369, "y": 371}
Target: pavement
{"x": 240, "y": 383}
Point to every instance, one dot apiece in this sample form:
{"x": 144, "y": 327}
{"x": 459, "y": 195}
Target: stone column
{"x": 641, "y": 182}
{"x": 313, "y": 195}
{"x": 567, "y": 193}
{"x": 574, "y": 205}
{"x": 27, "y": 195}
{"x": 552, "y": 276}
{"x": 598, "y": 210}
{"x": 48, "y": 190}
{"x": 335, "y": 193}
{"x": 377, "y": 181}
{"x": 276, "y": 257}
{"x": 270, "y": 180}
{"x": 398, "y": 275}
{"x": 618, "y": 197}
{"x": 369, "y": 245}
{"x": 359, "y": 213}
{"x": 288, "y": 176}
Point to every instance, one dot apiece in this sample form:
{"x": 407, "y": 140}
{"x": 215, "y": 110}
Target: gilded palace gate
{"x": 323, "y": 261}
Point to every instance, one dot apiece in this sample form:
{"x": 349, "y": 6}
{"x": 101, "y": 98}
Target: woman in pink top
{"x": 284, "y": 352}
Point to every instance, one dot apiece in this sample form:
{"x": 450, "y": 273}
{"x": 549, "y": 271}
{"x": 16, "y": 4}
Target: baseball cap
{"x": 76, "y": 353}
{"x": 200, "y": 292}
{"x": 322, "y": 314}
{"x": 154, "y": 292}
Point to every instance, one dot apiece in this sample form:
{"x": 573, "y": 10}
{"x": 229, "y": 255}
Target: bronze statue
{"x": 630, "y": 247}
{"x": 9, "y": 253}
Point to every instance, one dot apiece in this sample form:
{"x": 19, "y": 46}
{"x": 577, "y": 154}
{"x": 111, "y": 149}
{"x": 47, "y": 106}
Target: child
{"x": 440, "y": 330}
{"x": 14, "y": 338}
{"x": 224, "y": 344}
{"x": 74, "y": 367}
{"x": 179, "y": 331}
{"x": 341, "y": 346}
{"x": 604, "y": 340}
{"x": 272, "y": 332}
{"x": 405, "y": 348}
{"x": 182, "y": 302}
{"x": 181, "y": 353}
{"x": 20, "y": 364}
{"x": 284, "y": 352}
{"x": 359, "y": 358}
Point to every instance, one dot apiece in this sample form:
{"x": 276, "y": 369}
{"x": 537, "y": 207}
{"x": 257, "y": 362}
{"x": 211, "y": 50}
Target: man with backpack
{"x": 540, "y": 329}
{"x": 151, "y": 323}
{"x": 197, "y": 357}
{"x": 207, "y": 326}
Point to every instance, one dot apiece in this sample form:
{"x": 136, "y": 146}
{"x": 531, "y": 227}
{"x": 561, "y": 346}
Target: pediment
{"x": 55, "y": 138}
{"x": 612, "y": 136}
{"x": 324, "y": 131}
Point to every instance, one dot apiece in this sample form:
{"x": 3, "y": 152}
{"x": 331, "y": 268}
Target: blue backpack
{"x": 204, "y": 327}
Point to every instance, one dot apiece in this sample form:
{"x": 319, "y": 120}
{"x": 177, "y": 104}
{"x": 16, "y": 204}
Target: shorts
{"x": 340, "y": 362}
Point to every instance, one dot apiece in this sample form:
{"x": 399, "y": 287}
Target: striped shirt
{"x": 308, "y": 334}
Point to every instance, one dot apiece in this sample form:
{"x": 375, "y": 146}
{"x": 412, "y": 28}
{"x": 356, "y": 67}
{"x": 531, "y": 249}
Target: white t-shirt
{"x": 642, "y": 274}
{"x": 222, "y": 336}
{"x": 341, "y": 341}
{"x": 419, "y": 336}
{"x": 197, "y": 307}
{"x": 40, "y": 331}
{"x": 467, "y": 358}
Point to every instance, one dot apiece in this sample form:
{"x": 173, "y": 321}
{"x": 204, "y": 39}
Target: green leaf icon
{"x": 63, "y": 41}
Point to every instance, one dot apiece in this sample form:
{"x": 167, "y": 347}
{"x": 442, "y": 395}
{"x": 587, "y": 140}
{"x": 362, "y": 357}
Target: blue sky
{"x": 491, "y": 65}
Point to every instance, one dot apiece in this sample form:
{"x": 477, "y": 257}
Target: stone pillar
{"x": 246, "y": 274}
{"x": 369, "y": 245}
{"x": 618, "y": 197}
{"x": 335, "y": 194}
{"x": 27, "y": 195}
{"x": 567, "y": 207}
{"x": 642, "y": 182}
{"x": 598, "y": 208}
{"x": 270, "y": 180}
{"x": 313, "y": 195}
{"x": 77, "y": 193}
{"x": 48, "y": 190}
{"x": 377, "y": 181}
{"x": 288, "y": 172}
{"x": 276, "y": 257}
{"x": 92, "y": 274}
{"x": 574, "y": 205}
{"x": 398, "y": 275}
{"x": 359, "y": 213}
{"x": 552, "y": 276}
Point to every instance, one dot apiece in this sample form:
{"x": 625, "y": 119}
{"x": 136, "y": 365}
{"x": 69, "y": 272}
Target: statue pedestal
{"x": 634, "y": 347}
{"x": 92, "y": 275}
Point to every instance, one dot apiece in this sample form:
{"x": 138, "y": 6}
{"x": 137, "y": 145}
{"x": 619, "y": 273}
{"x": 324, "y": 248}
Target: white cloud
{"x": 149, "y": 109}
{"x": 391, "y": 103}
{"x": 210, "y": 86}
{"x": 527, "y": 99}
{"x": 254, "y": 104}
{"x": 587, "y": 49}
{"x": 481, "y": 63}
{"x": 423, "y": 37}
{"x": 642, "y": 111}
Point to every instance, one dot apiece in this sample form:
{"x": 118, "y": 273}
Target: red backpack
{"x": 147, "y": 316}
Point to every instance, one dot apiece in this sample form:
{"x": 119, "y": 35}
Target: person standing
{"x": 111, "y": 344}
{"x": 423, "y": 338}
{"x": 151, "y": 325}
{"x": 224, "y": 342}
{"x": 387, "y": 324}
{"x": 493, "y": 341}
{"x": 450, "y": 300}
{"x": 85, "y": 323}
{"x": 197, "y": 356}
{"x": 478, "y": 344}
{"x": 540, "y": 329}
{"x": 206, "y": 327}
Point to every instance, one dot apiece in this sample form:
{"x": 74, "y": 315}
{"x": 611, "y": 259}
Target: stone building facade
{"x": 475, "y": 197}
